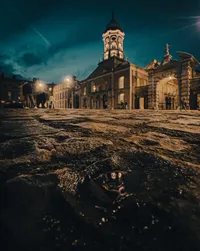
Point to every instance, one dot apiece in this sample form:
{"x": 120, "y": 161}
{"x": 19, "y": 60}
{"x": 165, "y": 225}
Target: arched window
{"x": 106, "y": 47}
{"x": 121, "y": 82}
{"x": 93, "y": 87}
{"x": 138, "y": 81}
{"x": 113, "y": 53}
{"x": 85, "y": 91}
{"x": 121, "y": 98}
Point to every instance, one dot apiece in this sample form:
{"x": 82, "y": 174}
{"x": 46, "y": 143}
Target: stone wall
{"x": 186, "y": 75}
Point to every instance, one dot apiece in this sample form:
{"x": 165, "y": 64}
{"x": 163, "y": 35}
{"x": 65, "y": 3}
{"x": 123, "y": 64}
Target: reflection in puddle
{"x": 111, "y": 190}
{"x": 112, "y": 183}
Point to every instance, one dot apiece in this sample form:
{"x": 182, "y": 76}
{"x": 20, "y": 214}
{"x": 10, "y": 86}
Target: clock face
{"x": 113, "y": 38}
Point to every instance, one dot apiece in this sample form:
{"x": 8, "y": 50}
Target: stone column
{"x": 153, "y": 92}
{"x": 72, "y": 98}
{"x": 156, "y": 95}
{"x": 101, "y": 101}
{"x": 150, "y": 91}
{"x": 186, "y": 76}
{"x": 130, "y": 104}
{"x": 134, "y": 79}
{"x": 150, "y": 82}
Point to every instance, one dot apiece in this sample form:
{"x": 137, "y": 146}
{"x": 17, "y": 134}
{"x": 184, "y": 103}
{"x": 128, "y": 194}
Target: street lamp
{"x": 40, "y": 86}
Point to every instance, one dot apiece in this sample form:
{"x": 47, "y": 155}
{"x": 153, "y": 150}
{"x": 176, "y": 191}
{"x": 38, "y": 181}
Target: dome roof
{"x": 113, "y": 24}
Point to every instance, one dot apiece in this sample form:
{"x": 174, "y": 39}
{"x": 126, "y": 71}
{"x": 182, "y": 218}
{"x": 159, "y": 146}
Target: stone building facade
{"x": 160, "y": 85}
{"x": 116, "y": 81}
{"x": 66, "y": 94}
{"x": 11, "y": 89}
{"x": 171, "y": 80}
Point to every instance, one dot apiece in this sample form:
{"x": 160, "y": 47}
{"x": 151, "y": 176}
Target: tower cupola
{"x": 113, "y": 38}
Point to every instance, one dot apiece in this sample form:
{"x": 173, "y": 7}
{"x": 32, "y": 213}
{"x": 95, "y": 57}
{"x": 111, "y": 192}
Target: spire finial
{"x": 113, "y": 14}
{"x": 167, "y": 49}
{"x": 167, "y": 57}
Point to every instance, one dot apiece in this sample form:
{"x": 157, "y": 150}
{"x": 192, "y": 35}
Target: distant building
{"x": 42, "y": 90}
{"x": 172, "y": 80}
{"x": 11, "y": 89}
{"x": 160, "y": 85}
{"x": 65, "y": 93}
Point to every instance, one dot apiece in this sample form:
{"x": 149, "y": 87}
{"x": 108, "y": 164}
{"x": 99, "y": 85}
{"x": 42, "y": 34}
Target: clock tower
{"x": 113, "y": 38}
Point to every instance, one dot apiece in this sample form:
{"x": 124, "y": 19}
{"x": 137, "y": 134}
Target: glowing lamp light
{"x": 67, "y": 79}
{"x": 40, "y": 86}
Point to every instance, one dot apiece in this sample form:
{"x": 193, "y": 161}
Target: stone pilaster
{"x": 153, "y": 93}
{"x": 133, "y": 81}
{"x": 150, "y": 92}
{"x": 101, "y": 101}
{"x": 186, "y": 76}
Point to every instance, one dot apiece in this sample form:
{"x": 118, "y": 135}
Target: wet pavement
{"x": 100, "y": 179}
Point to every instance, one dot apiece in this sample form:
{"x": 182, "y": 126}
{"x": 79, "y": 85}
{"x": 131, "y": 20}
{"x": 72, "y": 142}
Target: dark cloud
{"x": 74, "y": 40}
{"x": 27, "y": 28}
{"x": 3, "y": 57}
{"x": 30, "y": 59}
{"x": 7, "y": 69}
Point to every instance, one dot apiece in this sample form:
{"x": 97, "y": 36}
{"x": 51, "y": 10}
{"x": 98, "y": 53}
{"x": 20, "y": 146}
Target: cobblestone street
{"x": 100, "y": 179}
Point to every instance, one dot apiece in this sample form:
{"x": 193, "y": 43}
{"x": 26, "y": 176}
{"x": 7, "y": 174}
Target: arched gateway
{"x": 168, "y": 94}
{"x": 171, "y": 81}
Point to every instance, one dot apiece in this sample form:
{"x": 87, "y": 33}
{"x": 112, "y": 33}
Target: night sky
{"x": 50, "y": 39}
